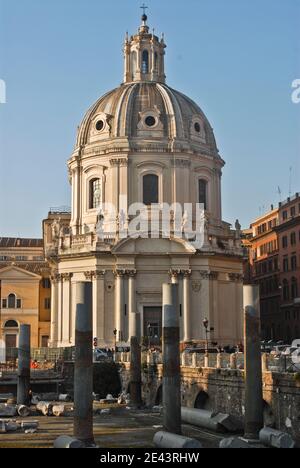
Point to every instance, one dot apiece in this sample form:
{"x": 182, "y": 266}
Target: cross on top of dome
{"x": 144, "y": 8}
{"x": 144, "y": 55}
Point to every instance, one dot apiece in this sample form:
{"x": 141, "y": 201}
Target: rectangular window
{"x": 285, "y": 215}
{"x": 150, "y": 189}
{"x": 284, "y": 242}
{"x": 4, "y": 303}
{"x": 294, "y": 262}
{"x": 19, "y": 304}
{"x": 203, "y": 193}
{"x": 47, "y": 303}
{"x": 285, "y": 264}
{"x": 293, "y": 238}
{"x": 293, "y": 211}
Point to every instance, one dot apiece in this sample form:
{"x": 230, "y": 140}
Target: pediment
{"x": 153, "y": 247}
{"x": 15, "y": 273}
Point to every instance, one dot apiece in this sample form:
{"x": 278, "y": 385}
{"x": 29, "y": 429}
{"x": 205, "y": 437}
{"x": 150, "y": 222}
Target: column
{"x": 24, "y": 366}
{"x": 119, "y": 303}
{"x": 54, "y": 311}
{"x": 132, "y": 312}
{"x": 66, "y": 312}
{"x": 98, "y": 306}
{"x": 60, "y": 310}
{"x": 254, "y": 420}
{"x": 83, "y": 374}
{"x": 73, "y": 313}
{"x": 127, "y": 61}
{"x": 174, "y": 275}
{"x": 186, "y": 306}
{"x": 171, "y": 360}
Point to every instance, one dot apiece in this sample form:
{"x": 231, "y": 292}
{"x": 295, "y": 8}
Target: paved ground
{"x": 121, "y": 429}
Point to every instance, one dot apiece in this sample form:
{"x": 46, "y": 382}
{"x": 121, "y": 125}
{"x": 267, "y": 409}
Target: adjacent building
{"x": 25, "y": 294}
{"x": 288, "y": 233}
{"x": 274, "y": 264}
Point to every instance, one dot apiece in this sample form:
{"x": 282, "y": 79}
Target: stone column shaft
{"x": 83, "y": 376}
{"x": 119, "y": 304}
{"x": 98, "y": 306}
{"x": 186, "y": 307}
{"x": 24, "y": 366}
{"x": 54, "y": 313}
{"x": 254, "y": 420}
{"x": 171, "y": 360}
{"x": 132, "y": 312}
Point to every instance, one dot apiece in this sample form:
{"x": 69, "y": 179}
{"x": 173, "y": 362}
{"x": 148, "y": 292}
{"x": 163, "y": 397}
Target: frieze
{"x": 209, "y": 275}
{"x": 181, "y": 163}
{"x": 121, "y": 162}
{"x": 236, "y": 277}
{"x": 96, "y": 274}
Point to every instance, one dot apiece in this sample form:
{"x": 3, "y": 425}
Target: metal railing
{"x": 43, "y": 359}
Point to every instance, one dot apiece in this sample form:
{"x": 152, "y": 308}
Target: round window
{"x": 99, "y": 125}
{"x": 150, "y": 121}
{"x": 197, "y": 127}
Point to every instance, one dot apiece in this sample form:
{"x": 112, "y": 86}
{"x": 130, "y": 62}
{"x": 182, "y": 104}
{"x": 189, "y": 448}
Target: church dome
{"x": 148, "y": 110}
{"x": 144, "y": 110}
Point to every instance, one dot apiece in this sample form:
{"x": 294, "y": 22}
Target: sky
{"x": 236, "y": 58}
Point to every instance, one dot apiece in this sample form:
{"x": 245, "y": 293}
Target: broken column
{"x": 135, "y": 372}
{"x": 83, "y": 376}
{"x": 23, "y": 397}
{"x": 135, "y": 349}
{"x": 254, "y": 420}
{"x": 171, "y": 360}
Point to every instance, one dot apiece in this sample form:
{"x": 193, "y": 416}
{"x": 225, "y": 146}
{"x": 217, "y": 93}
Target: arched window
{"x": 145, "y": 62}
{"x": 11, "y": 324}
{"x": 203, "y": 192}
{"x": 294, "y": 288}
{"x": 95, "y": 193}
{"x": 150, "y": 189}
{"x": 11, "y": 301}
{"x": 286, "y": 290}
{"x": 156, "y": 62}
{"x": 133, "y": 64}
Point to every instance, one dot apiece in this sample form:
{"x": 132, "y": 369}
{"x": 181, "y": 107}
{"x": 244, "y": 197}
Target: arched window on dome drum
{"x": 145, "y": 62}
{"x": 95, "y": 193}
{"x": 133, "y": 64}
{"x": 150, "y": 189}
{"x": 203, "y": 185}
{"x": 156, "y": 62}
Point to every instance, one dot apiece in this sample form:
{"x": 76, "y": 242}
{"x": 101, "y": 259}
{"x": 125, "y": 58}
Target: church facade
{"x": 145, "y": 143}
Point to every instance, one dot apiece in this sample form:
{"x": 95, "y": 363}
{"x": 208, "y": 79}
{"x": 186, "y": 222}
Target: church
{"x": 145, "y": 143}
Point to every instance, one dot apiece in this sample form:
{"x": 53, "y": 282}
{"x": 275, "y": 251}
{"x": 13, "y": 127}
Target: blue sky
{"x": 235, "y": 58}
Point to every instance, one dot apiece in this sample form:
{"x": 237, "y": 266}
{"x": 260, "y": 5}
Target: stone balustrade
{"x": 235, "y": 361}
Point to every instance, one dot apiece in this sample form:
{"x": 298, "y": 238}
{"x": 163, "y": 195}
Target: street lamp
{"x": 208, "y": 330}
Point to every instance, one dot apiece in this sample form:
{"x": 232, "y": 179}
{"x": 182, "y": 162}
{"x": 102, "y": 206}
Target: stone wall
{"x": 222, "y": 390}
